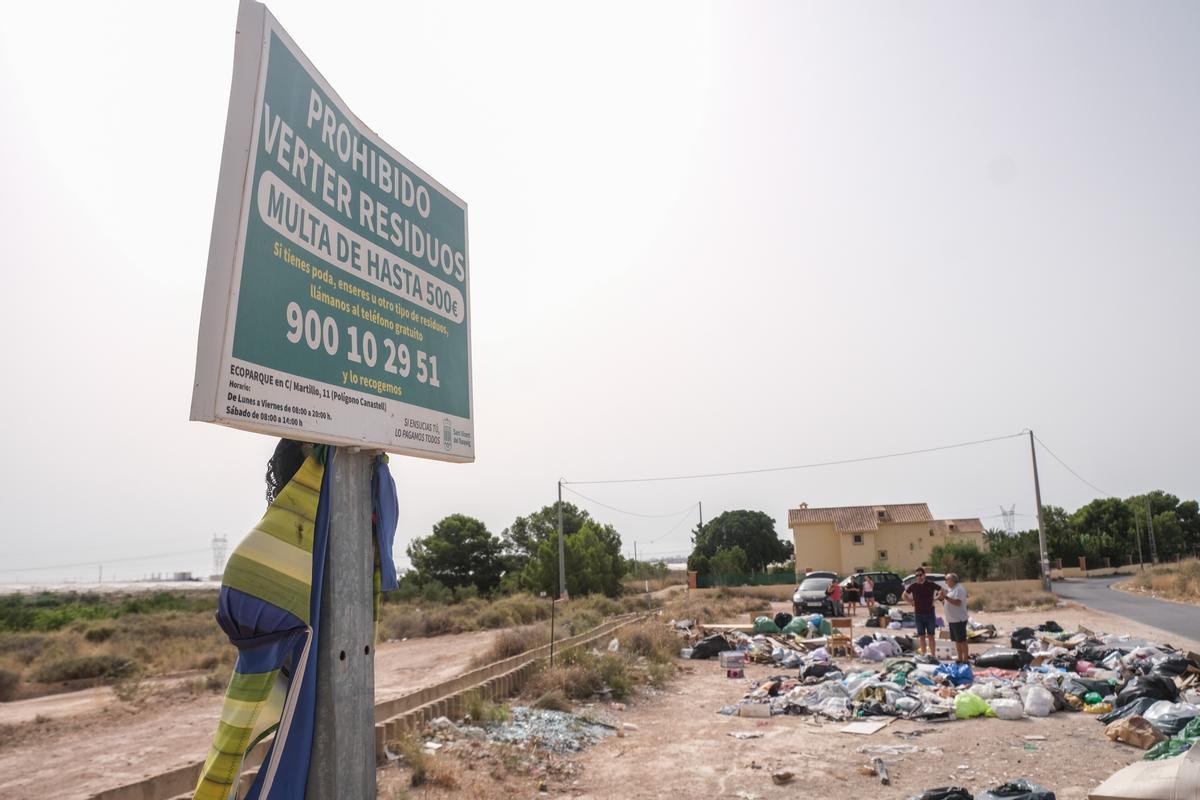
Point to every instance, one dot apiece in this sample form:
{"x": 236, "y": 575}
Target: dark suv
{"x": 888, "y": 586}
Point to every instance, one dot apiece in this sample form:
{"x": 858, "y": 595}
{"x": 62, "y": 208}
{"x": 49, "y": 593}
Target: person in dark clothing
{"x": 922, "y": 594}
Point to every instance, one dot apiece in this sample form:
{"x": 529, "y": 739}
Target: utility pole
{"x": 1037, "y": 493}
{"x": 635, "y": 554}
{"x": 1137, "y": 528}
{"x": 1150, "y": 529}
{"x": 562, "y": 559}
{"x": 701, "y": 505}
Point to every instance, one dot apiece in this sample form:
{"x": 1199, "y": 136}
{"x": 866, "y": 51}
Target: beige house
{"x": 847, "y": 539}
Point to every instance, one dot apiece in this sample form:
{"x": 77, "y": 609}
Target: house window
{"x": 858, "y": 538}
{"x": 931, "y": 531}
{"x": 883, "y": 555}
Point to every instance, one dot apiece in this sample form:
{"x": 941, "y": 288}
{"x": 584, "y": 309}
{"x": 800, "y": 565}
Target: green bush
{"x": 965, "y": 558}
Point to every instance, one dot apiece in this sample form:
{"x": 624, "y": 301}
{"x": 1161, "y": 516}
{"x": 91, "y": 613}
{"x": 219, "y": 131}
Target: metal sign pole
{"x": 343, "y": 750}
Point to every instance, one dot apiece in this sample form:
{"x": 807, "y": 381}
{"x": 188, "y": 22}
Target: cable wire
{"x": 1068, "y": 468}
{"x": 801, "y": 466}
{"x": 100, "y": 561}
{"x": 630, "y": 513}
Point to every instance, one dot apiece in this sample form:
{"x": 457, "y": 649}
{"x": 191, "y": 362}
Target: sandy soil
{"x": 682, "y": 746}
{"x": 90, "y": 741}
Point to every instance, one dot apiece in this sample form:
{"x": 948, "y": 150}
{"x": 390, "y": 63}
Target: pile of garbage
{"x": 557, "y": 731}
{"x": 1147, "y": 694}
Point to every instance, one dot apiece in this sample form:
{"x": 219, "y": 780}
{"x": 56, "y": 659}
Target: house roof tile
{"x": 856, "y": 519}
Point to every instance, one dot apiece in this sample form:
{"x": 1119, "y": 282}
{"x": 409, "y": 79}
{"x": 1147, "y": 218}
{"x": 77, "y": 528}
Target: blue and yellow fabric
{"x": 270, "y": 608}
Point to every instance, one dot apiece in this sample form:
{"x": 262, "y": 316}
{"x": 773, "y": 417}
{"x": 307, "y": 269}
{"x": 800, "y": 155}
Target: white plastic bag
{"x": 985, "y": 690}
{"x": 1038, "y": 701}
{"x": 1007, "y": 709}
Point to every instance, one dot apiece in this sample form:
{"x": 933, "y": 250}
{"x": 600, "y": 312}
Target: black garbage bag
{"x": 1065, "y": 663}
{"x": 1049, "y": 626}
{"x": 877, "y": 710}
{"x": 1018, "y": 790}
{"x": 1021, "y": 637}
{"x": 710, "y": 646}
{"x": 873, "y": 622}
{"x": 817, "y": 670}
{"x": 1092, "y": 651}
{"x": 782, "y": 619}
{"x": 1136, "y": 707}
{"x": 1004, "y": 658}
{"x": 1078, "y": 685}
{"x": 905, "y": 642}
{"x": 944, "y": 793}
{"x": 863, "y": 641}
{"x": 1156, "y": 686}
{"x": 1174, "y": 664}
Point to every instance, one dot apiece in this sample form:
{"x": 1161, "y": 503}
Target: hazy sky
{"x": 704, "y": 237}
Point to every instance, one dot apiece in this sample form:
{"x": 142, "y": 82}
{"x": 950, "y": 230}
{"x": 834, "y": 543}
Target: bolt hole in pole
{"x": 342, "y": 656}
{"x": 367, "y": 650}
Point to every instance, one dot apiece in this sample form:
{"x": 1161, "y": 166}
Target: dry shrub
{"x": 554, "y": 700}
{"x": 720, "y": 606}
{"x": 80, "y": 667}
{"x": 8, "y": 684}
{"x": 441, "y": 772}
{"x": 1178, "y": 581}
{"x": 513, "y": 642}
{"x": 23, "y": 648}
{"x": 1008, "y": 595}
{"x": 100, "y": 632}
{"x": 574, "y": 681}
{"x": 652, "y": 640}
{"x": 412, "y": 751}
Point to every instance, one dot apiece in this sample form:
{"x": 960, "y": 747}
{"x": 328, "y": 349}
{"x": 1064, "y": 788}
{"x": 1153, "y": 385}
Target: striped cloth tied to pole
{"x": 270, "y": 607}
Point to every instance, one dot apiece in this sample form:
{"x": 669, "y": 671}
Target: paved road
{"x": 1177, "y": 618}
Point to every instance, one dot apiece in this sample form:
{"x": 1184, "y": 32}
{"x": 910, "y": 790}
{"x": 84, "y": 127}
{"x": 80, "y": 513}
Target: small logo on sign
{"x": 447, "y": 434}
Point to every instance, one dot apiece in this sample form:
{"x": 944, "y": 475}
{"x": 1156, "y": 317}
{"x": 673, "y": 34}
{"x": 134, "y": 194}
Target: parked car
{"x": 888, "y": 586}
{"x": 810, "y": 597}
{"x": 821, "y": 574}
{"x": 936, "y": 577}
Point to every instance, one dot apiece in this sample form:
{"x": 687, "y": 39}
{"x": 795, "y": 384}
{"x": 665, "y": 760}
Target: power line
{"x": 630, "y": 513}
{"x": 105, "y": 561}
{"x": 1068, "y": 468}
{"x": 669, "y": 531}
{"x": 801, "y": 466}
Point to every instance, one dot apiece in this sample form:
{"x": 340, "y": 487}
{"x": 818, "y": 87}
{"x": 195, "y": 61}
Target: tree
{"x": 594, "y": 565}
{"x": 525, "y": 536}
{"x": 730, "y": 561}
{"x": 752, "y": 531}
{"x": 459, "y": 552}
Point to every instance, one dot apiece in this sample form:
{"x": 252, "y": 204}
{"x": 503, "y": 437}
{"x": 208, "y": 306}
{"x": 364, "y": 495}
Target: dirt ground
{"x": 682, "y": 745}
{"x": 73, "y": 745}
{"x": 89, "y": 741}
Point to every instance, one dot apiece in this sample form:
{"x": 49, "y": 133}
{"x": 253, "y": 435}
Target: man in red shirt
{"x": 922, "y": 594}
